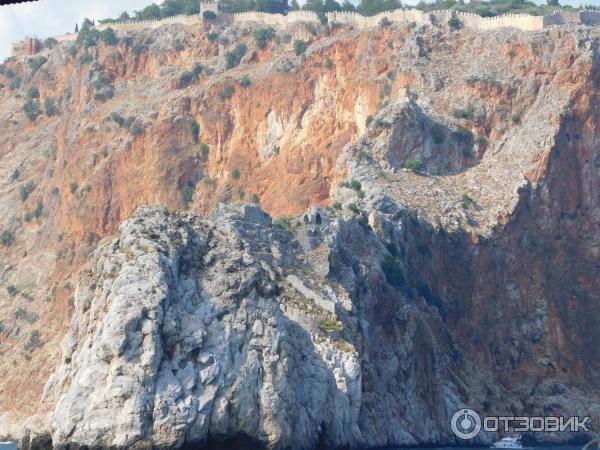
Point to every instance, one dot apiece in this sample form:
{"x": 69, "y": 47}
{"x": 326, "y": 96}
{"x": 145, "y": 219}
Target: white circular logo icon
{"x": 465, "y": 423}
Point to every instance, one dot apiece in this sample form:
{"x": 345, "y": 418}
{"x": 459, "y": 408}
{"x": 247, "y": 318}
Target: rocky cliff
{"x": 436, "y": 242}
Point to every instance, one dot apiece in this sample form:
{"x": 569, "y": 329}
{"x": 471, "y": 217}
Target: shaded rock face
{"x": 439, "y": 147}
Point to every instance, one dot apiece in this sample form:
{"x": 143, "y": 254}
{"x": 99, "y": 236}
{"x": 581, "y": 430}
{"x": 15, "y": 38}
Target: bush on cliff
{"x": 209, "y": 15}
{"x": 50, "y": 43}
{"x": 245, "y": 81}
{"x": 195, "y": 129}
{"x": 7, "y": 238}
{"x": 299, "y": 47}
{"x": 32, "y": 92}
{"x": 414, "y": 165}
{"x": 263, "y": 36}
{"x": 32, "y": 109}
{"x": 36, "y": 63}
{"x": 454, "y": 22}
{"x": 227, "y": 92}
{"x": 50, "y": 107}
{"x": 233, "y": 57}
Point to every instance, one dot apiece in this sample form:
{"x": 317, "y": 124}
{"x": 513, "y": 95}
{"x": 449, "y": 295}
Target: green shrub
{"x": 235, "y": 173}
{"x": 7, "y": 238}
{"x": 467, "y": 200}
{"x": 328, "y": 63}
{"x": 109, "y": 37}
{"x": 245, "y": 81}
{"x": 386, "y": 90}
{"x": 187, "y": 194}
{"x": 85, "y": 59}
{"x": 34, "y": 341}
{"x": 72, "y": 51}
{"x": 73, "y": 187}
{"x": 263, "y": 36}
{"x": 138, "y": 49}
{"x": 197, "y": 70}
{"x": 385, "y": 22}
{"x": 15, "y": 83}
{"x": 39, "y": 210}
{"x": 299, "y": 47}
{"x": 12, "y": 290}
{"x": 209, "y": 15}
{"x": 195, "y": 129}
{"x": 368, "y": 120}
{"x": 205, "y": 149}
{"x": 352, "y": 207}
{"x": 329, "y": 325}
{"x": 227, "y": 92}
{"x": 26, "y": 189}
{"x": 515, "y": 118}
{"x": 24, "y": 315}
{"x": 465, "y": 113}
{"x": 337, "y": 206}
{"x": 283, "y": 222}
{"x": 255, "y": 199}
{"x": 355, "y": 184}
{"x": 32, "y": 109}
{"x": 322, "y": 18}
{"x": 50, "y": 43}
{"x": 233, "y": 57}
{"x": 413, "y": 165}
{"x": 117, "y": 118}
{"x": 136, "y": 129}
{"x": 10, "y": 74}
{"x": 213, "y": 36}
{"x": 50, "y": 107}
{"x": 36, "y": 63}
{"x": 32, "y": 92}
{"x": 454, "y": 22}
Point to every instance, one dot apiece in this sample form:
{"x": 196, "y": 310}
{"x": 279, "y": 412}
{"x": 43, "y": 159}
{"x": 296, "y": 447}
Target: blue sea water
{"x": 13, "y": 446}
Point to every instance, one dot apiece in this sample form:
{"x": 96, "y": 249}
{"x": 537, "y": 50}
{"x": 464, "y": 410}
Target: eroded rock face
{"x": 179, "y": 332}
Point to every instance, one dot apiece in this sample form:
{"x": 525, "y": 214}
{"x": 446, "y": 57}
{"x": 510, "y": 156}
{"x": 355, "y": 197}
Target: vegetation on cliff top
{"x": 483, "y": 8}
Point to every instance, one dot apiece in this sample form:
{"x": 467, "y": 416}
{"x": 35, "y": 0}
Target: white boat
{"x": 508, "y": 442}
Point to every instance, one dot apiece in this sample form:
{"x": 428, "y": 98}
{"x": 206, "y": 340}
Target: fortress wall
{"x": 590, "y": 17}
{"x": 154, "y": 23}
{"x": 70, "y": 37}
{"x": 553, "y": 19}
{"x": 523, "y": 22}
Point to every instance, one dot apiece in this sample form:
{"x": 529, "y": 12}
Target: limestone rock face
{"x": 179, "y": 331}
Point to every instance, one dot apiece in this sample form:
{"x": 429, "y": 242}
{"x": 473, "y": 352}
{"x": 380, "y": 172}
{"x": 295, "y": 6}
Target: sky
{"x": 46, "y": 18}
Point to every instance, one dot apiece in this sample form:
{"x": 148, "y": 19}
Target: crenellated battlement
{"x": 522, "y": 22}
